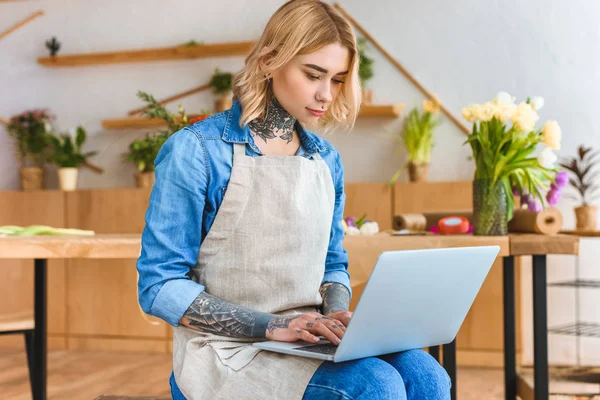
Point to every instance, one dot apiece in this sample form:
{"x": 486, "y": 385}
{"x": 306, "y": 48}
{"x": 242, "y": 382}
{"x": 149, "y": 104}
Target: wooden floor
{"x": 87, "y": 375}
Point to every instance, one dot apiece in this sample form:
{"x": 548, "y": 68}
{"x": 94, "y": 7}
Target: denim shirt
{"x": 193, "y": 168}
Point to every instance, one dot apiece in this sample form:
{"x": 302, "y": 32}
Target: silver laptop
{"x": 413, "y": 299}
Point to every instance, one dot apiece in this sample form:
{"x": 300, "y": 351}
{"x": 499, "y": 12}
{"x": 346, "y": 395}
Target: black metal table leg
{"x": 540, "y": 329}
{"x": 435, "y": 352}
{"x": 39, "y": 340}
{"x": 510, "y": 371}
{"x": 450, "y": 365}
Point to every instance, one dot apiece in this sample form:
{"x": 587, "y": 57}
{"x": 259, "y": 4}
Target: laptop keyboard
{"x": 325, "y": 348}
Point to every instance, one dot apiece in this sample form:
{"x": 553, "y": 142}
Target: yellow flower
{"x": 551, "y": 135}
{"x": 525, "y": 117}
{"x": 467, "y": 114}
{"x": 505, "y": 112}
{"x": 432, "y": 106}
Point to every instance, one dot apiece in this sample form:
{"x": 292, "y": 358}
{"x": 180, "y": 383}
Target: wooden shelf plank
{"x": 140, "y": 122}
{"x": 381, "y": 111}
{"x": 157, "y": 54}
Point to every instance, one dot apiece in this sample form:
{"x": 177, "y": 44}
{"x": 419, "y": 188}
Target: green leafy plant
{"x": 503, "y": 141}
{"x": 417, "y": 135}
{"x": 30, "y": 131}
{"x": 142, "y": 152}
{"x": 365, "y": 63}
{"x": 582, "y": 169}
{"x": 66, "y": 153}
{"x": 221, "y": 82}
{"x": 154, "y": 109}
{"x": 53, "y": 46}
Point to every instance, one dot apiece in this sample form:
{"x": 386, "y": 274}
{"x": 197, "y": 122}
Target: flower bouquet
{"x": 503, "y": 140}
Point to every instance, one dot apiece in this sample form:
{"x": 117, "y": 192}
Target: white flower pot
{"x": 67, "y": 178}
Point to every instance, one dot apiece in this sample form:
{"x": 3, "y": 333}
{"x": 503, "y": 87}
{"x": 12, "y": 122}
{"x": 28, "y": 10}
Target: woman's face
{"x": 308, "y": 84}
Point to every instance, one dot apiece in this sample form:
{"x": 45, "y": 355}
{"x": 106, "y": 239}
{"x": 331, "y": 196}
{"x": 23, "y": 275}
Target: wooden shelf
{"x": 381, "y": 111}
{"x": 157, "y": 54}
{"x": 140, "y": 122}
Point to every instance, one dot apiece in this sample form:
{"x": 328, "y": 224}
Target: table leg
{"x": 39, "y": 339}
{"x": 450, "y": 365}
{"x": 540, "y": 329}
{"x": 510, "y": 372}
{"x": 435, "y": 352}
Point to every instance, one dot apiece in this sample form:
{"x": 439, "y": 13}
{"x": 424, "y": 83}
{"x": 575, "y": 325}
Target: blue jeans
{"x": 412, "y": 374}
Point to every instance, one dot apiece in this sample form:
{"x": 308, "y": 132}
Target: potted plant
{"x": 222, "y": 84}
{"x": 417, "y": 136}
{"x": 503, "y": 140}
{"x": 581, "y": 167}
{"x": 142, "y": 153}
{"x": 30, "y": 131}
{"x": 67, "y": 155}
{"x": 365, "y": 71}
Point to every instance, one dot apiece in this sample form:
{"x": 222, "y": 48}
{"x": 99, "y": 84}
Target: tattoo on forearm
{"x": 213, "y": 315}
{"x": 336, "y": 297}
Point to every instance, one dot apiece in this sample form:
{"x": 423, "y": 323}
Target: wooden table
{"x": 103, "y": 246}
{"x": 537, "y": 246}
{"x": 42, "y": 248}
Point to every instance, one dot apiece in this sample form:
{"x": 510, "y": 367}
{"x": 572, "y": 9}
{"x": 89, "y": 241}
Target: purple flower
{"x": 525, "y": 198}
{"x": 553, "y": 197}
{"x": 535, "y": 206}
{"x": 561, "y": 179}
{"x": 351, "y": 221}
{"x": 515, "y": 191}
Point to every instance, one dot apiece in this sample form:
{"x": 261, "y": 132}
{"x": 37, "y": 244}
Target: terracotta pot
{"x": 367, "y": 97}
{"x": 586, "y": 217}
{"x": 417, "y": 172}
{"x": 67, "y": 178}
{"x": 223, "y": 103}
{"x": 144, "y": 179}
{"x": 32, "y": 178}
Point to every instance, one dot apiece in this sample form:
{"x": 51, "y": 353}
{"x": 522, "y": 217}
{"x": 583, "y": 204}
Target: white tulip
{"x": 504, "y": 98}
{"x": 547, "y": 158}
{"x": 537, "y": 103}
{"x": 353, "y": 231}
{"x": 369, "y": 228}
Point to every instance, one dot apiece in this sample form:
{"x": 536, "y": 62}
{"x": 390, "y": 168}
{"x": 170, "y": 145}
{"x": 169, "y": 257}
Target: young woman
{"x": 243, "y": 236}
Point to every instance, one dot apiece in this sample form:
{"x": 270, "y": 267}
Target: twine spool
{"x": 548, "y": 221}
{"x": 412, "y": 222}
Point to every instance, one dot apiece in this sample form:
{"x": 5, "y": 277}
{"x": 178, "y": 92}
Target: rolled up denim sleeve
{"x": 336, "y": 263}
{"x": 172, "y": 234}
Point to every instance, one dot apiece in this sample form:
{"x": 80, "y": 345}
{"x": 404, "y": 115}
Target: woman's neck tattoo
{"x": 277, "y": 122}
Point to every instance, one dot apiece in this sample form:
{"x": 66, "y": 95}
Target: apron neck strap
{"x": 239, "y": 148}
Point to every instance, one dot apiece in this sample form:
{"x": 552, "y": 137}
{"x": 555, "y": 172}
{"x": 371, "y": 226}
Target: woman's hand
{"x": 291, "y": 328}
{"x": 343, "y": 316}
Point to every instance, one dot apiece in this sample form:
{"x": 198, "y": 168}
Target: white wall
{"x": 464, "y": 50}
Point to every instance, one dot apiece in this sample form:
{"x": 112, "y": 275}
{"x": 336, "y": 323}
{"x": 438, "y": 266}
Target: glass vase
{"x": 489, "y": 208}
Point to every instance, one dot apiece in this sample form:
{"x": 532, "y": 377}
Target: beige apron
{"x": 265, "y": 250}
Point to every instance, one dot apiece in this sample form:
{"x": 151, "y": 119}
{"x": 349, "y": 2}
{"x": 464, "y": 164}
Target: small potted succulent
{"x": 365, "y": 71}
{"x": 67, "y": 155}
{"x": 222, "y": 84}
{"x": 30, "y": 131}
{"x": 581, "y": 168}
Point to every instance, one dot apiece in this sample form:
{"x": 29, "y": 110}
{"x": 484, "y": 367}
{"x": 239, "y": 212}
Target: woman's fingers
{"x": 323, "y": 330}
{"x": 306, "y": 336}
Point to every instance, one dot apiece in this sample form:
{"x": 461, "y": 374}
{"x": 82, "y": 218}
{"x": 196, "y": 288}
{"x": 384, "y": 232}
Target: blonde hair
{"x": 299, "y": 27}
